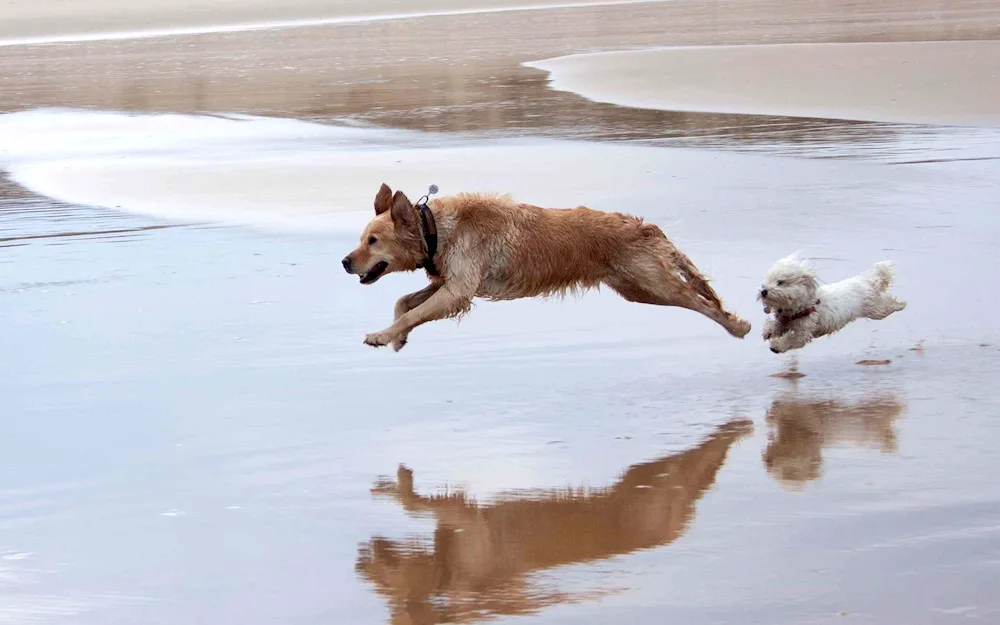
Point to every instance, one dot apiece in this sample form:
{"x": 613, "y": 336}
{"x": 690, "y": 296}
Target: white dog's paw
{"x": 377, "y": 339}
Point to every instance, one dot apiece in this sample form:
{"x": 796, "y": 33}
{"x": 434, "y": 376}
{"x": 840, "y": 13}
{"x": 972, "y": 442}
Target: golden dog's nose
{"x": 346, "y": 263}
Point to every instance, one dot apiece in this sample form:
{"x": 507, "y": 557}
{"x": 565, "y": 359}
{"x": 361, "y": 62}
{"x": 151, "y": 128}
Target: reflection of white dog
{"x": 804, "y": 310}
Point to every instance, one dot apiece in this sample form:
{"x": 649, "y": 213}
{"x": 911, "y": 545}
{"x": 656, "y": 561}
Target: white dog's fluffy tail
{"x": 883, "y": 303}
{"x": 881, "y": 276}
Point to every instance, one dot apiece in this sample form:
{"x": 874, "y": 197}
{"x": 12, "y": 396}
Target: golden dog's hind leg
{"x": 407, "y": 303}
{"x": 663, "y": 276}
{"x": 447, "y": 301}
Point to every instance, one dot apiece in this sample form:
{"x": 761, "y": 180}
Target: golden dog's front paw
{"x": 377, "y": 339}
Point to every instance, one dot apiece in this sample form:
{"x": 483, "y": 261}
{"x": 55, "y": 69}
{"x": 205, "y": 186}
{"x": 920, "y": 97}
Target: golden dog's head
{"x": 391, "y": 242}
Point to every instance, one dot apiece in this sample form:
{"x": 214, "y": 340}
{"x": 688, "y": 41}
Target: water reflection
{"x": 482, "y": 558}
{"x": 800, "y": 428}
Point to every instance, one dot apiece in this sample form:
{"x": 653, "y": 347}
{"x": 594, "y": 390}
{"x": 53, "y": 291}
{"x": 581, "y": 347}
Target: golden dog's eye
{"x": 781, "y": 283}
{"x": 372, "y": 240}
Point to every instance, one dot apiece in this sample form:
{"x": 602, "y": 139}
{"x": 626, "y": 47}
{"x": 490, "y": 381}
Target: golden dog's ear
{"x": 403, "y": 214}
{"x": 383, "y": 200}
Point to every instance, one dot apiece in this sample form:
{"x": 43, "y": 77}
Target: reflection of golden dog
{"x": 482, "y": 555}
{"x": 495, "y": 248}
{"x": 800, "y": 429}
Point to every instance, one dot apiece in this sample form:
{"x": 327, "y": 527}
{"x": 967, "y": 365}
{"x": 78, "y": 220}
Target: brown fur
{"x": 485, "y": 558}
{"x": 492, "y": 247}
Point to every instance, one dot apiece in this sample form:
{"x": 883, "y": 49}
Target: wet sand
{"x": 56, "y": 21}
{"x": 194, "y": 433}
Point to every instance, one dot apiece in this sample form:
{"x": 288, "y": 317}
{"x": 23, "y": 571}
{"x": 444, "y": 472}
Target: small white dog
{"x": 805, "y": 310}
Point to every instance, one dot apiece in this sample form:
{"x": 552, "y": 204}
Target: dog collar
{"x": 428, "y": 229}
{"x": 799, "y": 315}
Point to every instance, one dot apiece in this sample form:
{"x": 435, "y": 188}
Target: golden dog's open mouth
{"x": 374, "y": 273}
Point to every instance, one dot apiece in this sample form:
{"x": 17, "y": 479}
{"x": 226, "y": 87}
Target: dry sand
{"x": 192, "y": 427}
{"x": 955, "y": 82}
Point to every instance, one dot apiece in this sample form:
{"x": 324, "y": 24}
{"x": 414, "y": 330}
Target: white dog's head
{"x": 789, "y": 286}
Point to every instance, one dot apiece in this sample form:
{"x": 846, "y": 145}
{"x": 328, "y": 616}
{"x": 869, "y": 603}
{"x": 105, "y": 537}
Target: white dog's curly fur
{"x": 804, "y": 310}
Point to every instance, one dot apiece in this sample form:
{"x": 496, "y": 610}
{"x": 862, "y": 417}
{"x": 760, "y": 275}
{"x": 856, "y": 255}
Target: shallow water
{"x": 197, "y": 426}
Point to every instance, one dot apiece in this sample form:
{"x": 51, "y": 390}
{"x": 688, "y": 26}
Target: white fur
{"x": 790, "y": 287}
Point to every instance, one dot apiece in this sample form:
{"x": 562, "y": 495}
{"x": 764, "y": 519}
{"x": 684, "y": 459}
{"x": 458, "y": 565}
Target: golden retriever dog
{"x": 485, "y": 558}
{"x": 489, "y": 246}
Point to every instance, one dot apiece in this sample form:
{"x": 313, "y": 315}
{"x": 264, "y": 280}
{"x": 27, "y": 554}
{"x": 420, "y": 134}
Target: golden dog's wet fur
{"x": 492, "y": 247}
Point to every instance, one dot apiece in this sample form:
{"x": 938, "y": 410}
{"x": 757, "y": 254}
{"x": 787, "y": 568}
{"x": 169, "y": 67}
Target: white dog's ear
{"x": 403, "y": 214}
{"x": 383, "y": 200}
